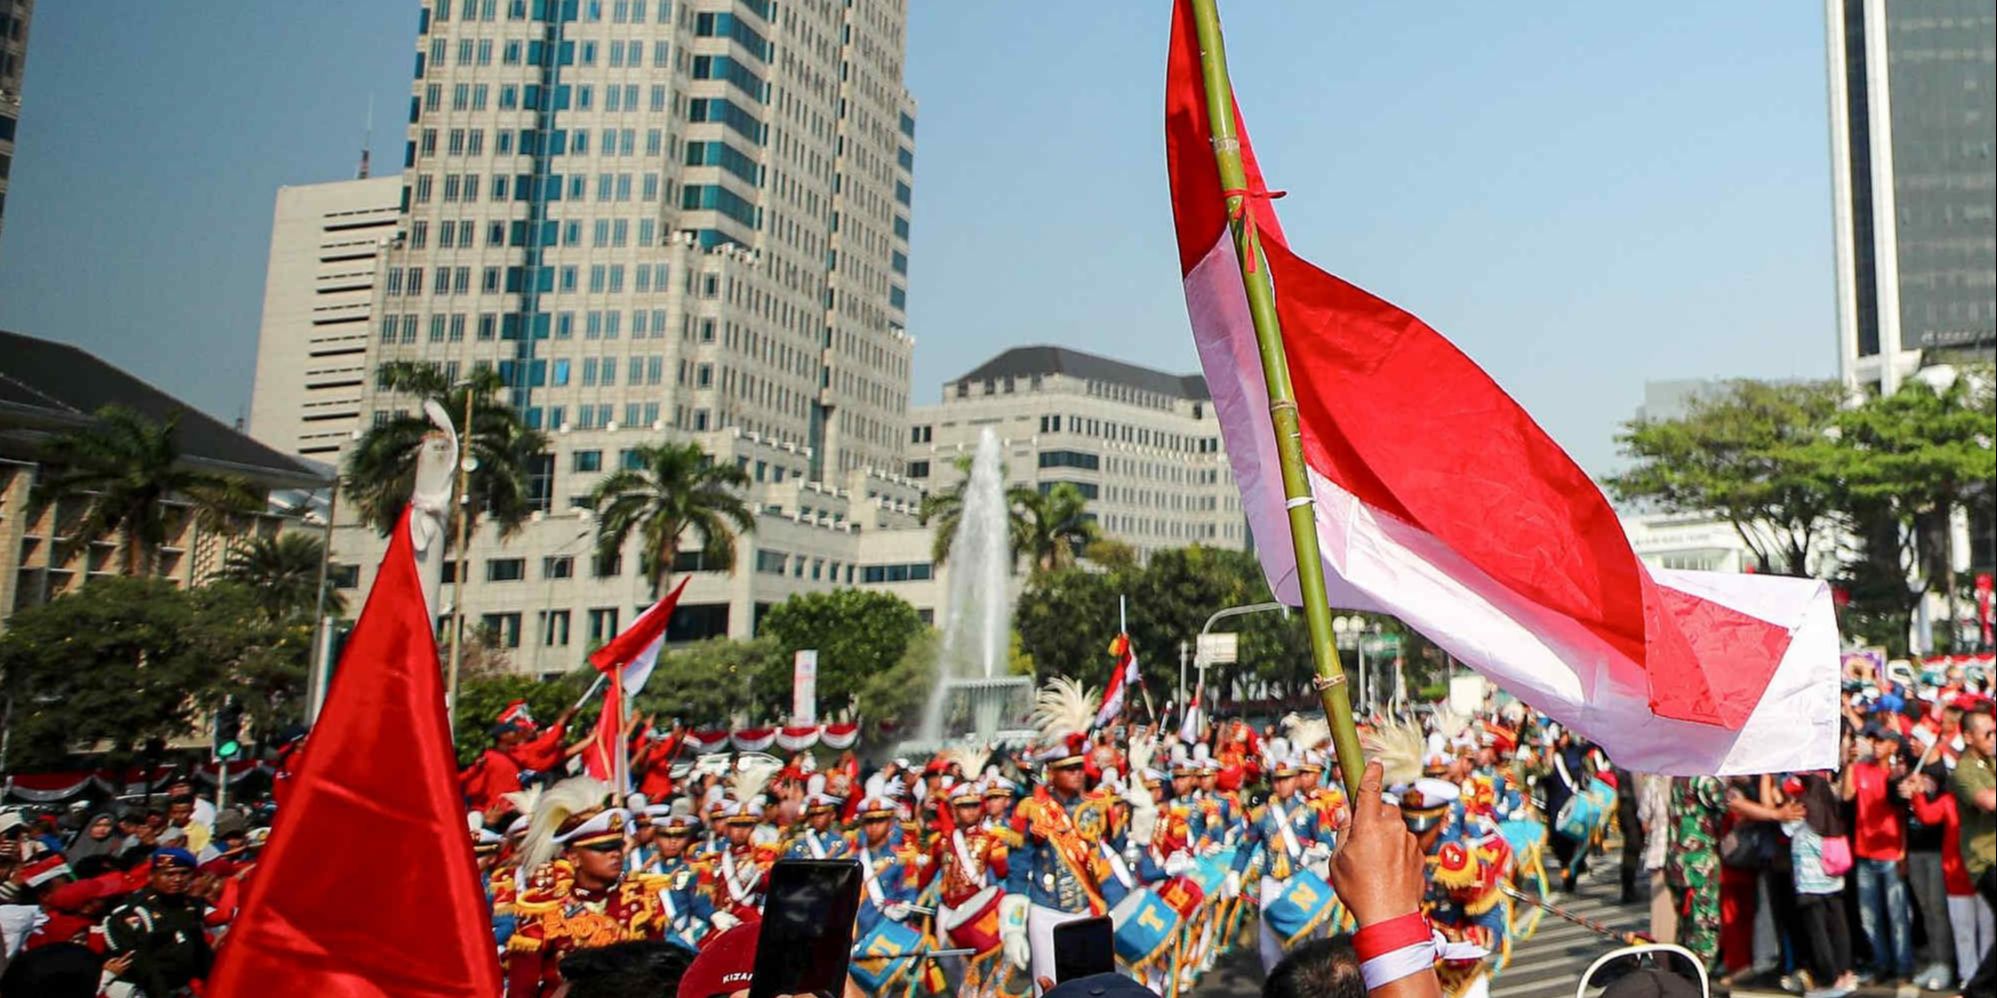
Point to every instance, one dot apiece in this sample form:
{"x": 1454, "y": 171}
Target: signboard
{"x": 1466, "y": 694}
{"x": 1219, "y": 649}
{"x": 1382, "y": 644}
{"x": 804, "y": 687}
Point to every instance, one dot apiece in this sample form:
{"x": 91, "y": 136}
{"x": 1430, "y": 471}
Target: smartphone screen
{"x": 806, "y": 939}
{"x": 1083, "y": 947}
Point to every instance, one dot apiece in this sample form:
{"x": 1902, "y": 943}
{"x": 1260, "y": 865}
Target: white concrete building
{"x": 318, "y": 313}
{"x": 656, "y": 222}
{"x": 1142, "y": 445}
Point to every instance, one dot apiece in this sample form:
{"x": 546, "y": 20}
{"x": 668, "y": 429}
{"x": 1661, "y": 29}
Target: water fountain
{"x": 975, "y": 699}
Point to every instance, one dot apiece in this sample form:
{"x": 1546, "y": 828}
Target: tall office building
{"x": 1913, "y": 125}
{"x": 318, "y": 310}
{"x": 14, "y": 17}
{"x": 1143, "y": 446}
{"x": 656, "y": 222}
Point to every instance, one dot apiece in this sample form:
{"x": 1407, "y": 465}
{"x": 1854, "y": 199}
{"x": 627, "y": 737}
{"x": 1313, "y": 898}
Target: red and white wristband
{"x": 1397, "y": 947}
{"x": 1393, "y": 949}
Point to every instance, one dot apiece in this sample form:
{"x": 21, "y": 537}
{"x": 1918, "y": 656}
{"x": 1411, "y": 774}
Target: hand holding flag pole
{"x": 1330, "y": 680}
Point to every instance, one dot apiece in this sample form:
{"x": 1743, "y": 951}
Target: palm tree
{"x": 128, "y": 470}
{"x": 1052, "y": 527}
{"x": 381, "y": 472}
{"x": 285, "y": 572}
{"x": 945, "y": 510}
{"x": 667, "y": 490}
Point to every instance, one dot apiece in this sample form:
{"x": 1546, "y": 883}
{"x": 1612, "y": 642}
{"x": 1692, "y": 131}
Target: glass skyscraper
{"x": 1913, "y": 126}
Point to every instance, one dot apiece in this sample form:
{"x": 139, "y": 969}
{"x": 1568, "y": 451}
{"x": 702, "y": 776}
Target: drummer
{"x": 1293, "y": 837}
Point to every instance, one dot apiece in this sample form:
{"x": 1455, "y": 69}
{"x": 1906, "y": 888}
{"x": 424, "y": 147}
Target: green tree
{"x": 482, "y": 697}
{"x": 1051, "y": 528}
{"x": 381, "y": 471}
{"x": 672, "y": 489}
{"x": 709, "y": 682}
{"x": 115, "y": 662}
{"x": 896, "y": 694}
{"x": 1754, "y": 453}
{"x": 1066, "y": 618}
{"x": 286, "y": 571}
{"x": 126, "y": 469}
{"x": 1906, "y": 462}
{"x": 266, "y": 657}
{"x": 858, "y": 634}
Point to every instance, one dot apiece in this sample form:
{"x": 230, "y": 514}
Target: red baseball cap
{"x": 725, "y": 965}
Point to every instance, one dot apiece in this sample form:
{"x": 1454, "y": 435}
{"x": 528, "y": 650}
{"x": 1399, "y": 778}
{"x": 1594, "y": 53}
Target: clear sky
{"x": 1583, "y": 196}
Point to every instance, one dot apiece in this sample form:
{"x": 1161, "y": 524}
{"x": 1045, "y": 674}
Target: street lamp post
{"x": 548, "y": 585}
{"x": 466, "y": 462}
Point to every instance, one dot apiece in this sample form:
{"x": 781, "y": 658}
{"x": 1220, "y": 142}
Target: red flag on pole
{"x": 323, "y": 917}
{"x": 628, "y": 659}
{"x": 1121, "y": 678}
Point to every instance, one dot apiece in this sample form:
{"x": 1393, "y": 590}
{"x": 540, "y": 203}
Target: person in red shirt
{"x": 1880, "y": 843}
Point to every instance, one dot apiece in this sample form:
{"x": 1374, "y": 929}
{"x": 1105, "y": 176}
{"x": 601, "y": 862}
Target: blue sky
{"x": 1583, "y": 196}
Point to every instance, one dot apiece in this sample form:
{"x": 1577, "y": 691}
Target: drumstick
{"x": 1628, "y": 938}
{"x": 926, "y": 954}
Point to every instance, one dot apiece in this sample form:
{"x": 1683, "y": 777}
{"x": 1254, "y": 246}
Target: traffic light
{"x": 229, "y": 730}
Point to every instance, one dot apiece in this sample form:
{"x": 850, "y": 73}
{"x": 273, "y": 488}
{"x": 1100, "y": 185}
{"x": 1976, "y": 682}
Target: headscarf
{"x": 84, "y": 846}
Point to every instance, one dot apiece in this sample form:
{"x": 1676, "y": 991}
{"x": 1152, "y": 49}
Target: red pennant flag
{"x": 628, "y": 661}
{"x": 368, "y": 886}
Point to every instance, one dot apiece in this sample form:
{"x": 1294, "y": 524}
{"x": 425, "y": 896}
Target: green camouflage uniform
{"x": 1692, "y": 865}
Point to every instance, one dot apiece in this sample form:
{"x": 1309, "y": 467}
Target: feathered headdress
{"x": 1399, "y": 747}
{"x": 556, "y": 807}
{"x": 1449, "y": 723}
{"x": 970, "y": 759}
{"x": 1063, "y": 707}
{"x": 523, "y": 803}
{"x": 1306, "y": 733}
{"x": 752, "y": 773}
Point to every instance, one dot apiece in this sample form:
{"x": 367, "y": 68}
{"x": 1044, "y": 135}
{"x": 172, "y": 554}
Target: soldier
{"x": 816, "y": 838}
{"x": 1053, "y": 876}
{"x": 585, "y": 901}
{"x": 1292, "y": 838}
{"x": 1218, "y": 810}
{"x": 161, "y": 927}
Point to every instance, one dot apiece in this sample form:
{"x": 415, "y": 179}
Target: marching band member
{"x": 589, "y": 902}
{"x": 685, "y": 887}
{"x": 1053, "y": 875}
{"x": 971, "y": 869}
{"x": 1463, "y": 901}
{"x": 1294, "y": 901}
{"x": 999, "y": 794}
{"x": 741, "y": 865}
{"x": 815, "y": 838}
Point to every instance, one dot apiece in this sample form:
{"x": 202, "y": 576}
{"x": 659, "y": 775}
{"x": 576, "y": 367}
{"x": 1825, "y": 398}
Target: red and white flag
{"x": 630, "y": 657}
{"x": 1121, "y": 679}
{"x": 1439, "y": 501}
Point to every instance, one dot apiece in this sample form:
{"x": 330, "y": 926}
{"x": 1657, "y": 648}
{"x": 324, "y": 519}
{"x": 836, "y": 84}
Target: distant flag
{"x": 1437, "y": 499}
{"x": 1121, "y": 679}
{"x": 630, "y": 656}
{"x": 1189, "y": 727}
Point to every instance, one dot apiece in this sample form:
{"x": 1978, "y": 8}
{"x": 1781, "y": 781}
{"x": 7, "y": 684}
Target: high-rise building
{"x": 14, "y": 17}
{"x": 662, "y": 222}
{"x": 1143, "y": 446}
{"x": 318, "y": 313}
{"x": 1913, "y": 125}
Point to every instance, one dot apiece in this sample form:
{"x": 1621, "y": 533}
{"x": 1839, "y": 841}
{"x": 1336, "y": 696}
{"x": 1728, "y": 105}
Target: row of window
{"x": 569, "y": 278}
{"x": 620, "y": 11}
{"x": 604, "y": 232}
{"x": 527, "y": 187}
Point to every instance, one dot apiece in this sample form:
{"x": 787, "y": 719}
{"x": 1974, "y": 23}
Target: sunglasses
{"x": 604, "y": 847}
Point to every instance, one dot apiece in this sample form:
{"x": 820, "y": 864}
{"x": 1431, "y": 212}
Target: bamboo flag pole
{"x": 1331, "y": 685}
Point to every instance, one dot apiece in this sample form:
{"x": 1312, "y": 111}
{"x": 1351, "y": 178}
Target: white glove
{"x": 723, "y": 921}
{"x": 895, "y": 910}
{"x": 1317, "y": 853}
{"x": 1231, "y": 889}
{"x": 1178, "y": 863}
{"x": 1012, "y": 931}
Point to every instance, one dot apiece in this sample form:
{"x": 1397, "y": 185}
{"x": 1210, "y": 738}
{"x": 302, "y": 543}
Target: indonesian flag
{"x": 1438, "y": 500}
{"x": 1120, "y": 680}
{"x": 632, "y": 654}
